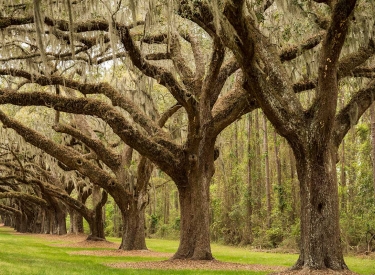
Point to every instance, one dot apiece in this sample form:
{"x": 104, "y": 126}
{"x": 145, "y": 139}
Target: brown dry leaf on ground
{"x": 123, "y": 253}
{"x": 194, "y": 265}
{"x": 69, "y": 238}
{"x": 89, "y": 244}
{"x": 74, "y": 240}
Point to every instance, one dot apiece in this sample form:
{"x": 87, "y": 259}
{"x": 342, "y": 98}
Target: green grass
{"x": 25, "y": 254}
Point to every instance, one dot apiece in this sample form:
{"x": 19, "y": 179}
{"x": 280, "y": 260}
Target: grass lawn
{"x": 27, "y": 254}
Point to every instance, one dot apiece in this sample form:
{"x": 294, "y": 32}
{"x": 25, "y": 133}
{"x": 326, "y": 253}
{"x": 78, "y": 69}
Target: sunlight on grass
{"x": 32, "y": 255}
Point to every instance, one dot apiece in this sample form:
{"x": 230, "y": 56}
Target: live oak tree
{"x": 130, "y": 196}
{"x": 24, "y": 172}
{"x": 195, "y": 88}
{"x": 83, "y": 193}
{"x": 134, "y": 237}
{"x": 49, "y": 185}
{"x": 314, "y": 131}
{"x": 21, "y": 206}
{"x": 22, "y": 201}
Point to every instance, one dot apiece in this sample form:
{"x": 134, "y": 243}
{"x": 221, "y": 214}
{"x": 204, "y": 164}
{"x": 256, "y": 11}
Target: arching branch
{"x": 62, "y": 153}
{"x": 163, "y": 76}
{"x": 232, "y": 106}
{"x": 24, "y": 197}
{"x": 155, "y": 148}
{"x": 294, "y": 51}
{"x": 347, "y": 67}
{"x": 61, "y": 194}
{"x": 110, "y": 158}
{"x": 87, "y": 88}
{"x": 351, "y": 113}
{"x": 10, "y": 210}
{"x": 216, "y": 61}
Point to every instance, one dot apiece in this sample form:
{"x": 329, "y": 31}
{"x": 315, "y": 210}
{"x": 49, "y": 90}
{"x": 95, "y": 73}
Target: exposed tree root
{"x": 95, "y": 239}
{"x": 308, "y": 271}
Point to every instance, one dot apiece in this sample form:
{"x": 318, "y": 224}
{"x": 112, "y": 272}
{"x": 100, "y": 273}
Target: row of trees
{"x": 177, "y": 80}
{"x": 239, "y": 212}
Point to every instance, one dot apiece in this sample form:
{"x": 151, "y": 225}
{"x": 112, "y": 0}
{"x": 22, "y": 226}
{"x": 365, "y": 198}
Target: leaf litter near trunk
{"x": 197, "y": 265}
{"x": 122, "y": 253}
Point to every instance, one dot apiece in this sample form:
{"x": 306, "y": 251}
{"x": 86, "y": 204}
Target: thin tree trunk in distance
{"x": 343, "y": 178}
{"x": 267, "y": 171}
{"x": 294, "y": 183}
{"x": 343, "y": 169}
{"x": 249, "y": 201}
{"x": 372, "y": 122}
{"x": 280, "y": 187}
{"x": 166, "y": 203}
{"x": 259, "y": 188}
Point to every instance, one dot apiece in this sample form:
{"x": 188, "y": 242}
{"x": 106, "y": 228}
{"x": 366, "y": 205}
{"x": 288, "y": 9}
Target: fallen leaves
{"x": 122, "y": 253}
{"x": 194, "y": 265}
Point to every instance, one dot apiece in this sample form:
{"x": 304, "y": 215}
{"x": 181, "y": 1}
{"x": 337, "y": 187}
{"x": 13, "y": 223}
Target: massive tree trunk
{"x": 314, "y": 132}
{"x": 133, "y": 203}
{"x": 97, "y": 221}
{"x": 133, "y": 237}
{"x": 58, "y": 219}
{"x": 60, "y": 222}
{"x": 77, "y": 222}
{"x": 38, "y": 222}
{"x": 8, "y": 220}
{"x": 194, "y": 204}
{"x": 97, "y": 226}
{"x": 21, "y": 223}
{"x": 320, "y": 231}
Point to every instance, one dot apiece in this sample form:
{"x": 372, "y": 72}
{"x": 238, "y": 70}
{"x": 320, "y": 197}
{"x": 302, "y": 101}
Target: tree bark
{"x": 97, "y": 221}
{"x": 71, "y": 220}
{"x": 21, "y": 223}
{"x": 134, "y": 227}
{"x": 320, "y": 231}
{"x": 195, "y": 204}
{"x": 60, "y": 222}
{"x": 77, "y": 217}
